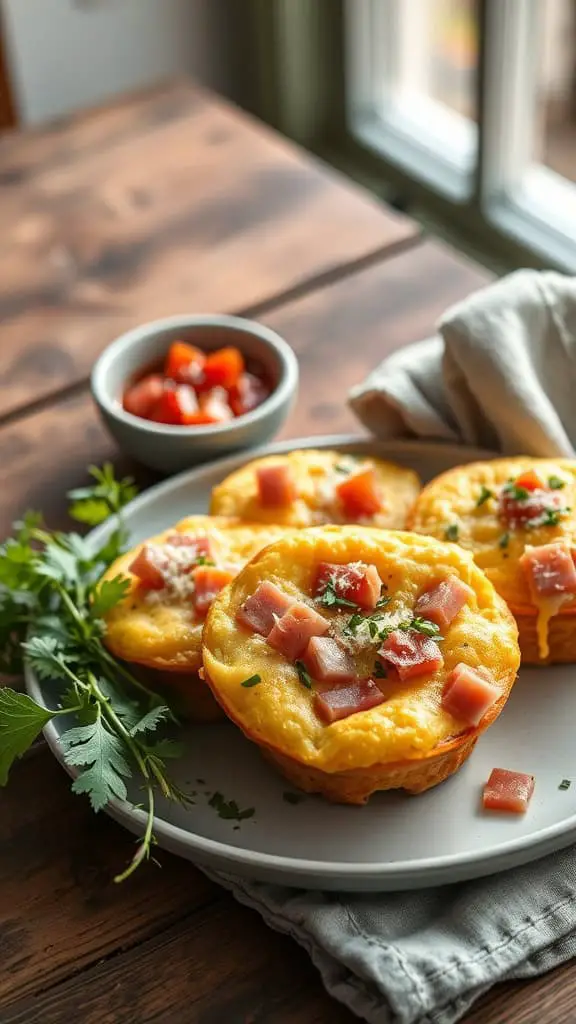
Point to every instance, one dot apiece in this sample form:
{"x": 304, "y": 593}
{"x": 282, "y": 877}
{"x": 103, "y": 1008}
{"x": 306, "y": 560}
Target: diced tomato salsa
{"x": 195, "y": 388}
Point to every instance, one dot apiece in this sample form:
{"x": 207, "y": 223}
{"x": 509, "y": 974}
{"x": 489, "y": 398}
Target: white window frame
{"x": 487, "y": 169}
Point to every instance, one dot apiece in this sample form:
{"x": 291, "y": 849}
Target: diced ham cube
{"x": 291, "y": 633}
{"x": 529, "y": 510}
{"x": 202, "y": 544}
{"x": 360, "y": 494}
{"x": 356, "y": 582}
{"x": 468, "y": 695}
{"x": 208, "y": 582}
{"x": 508, "y": 791}
{"x": 442, "y": 603}
{"x": 343, "y": 701}
{"x": 327, "y": 661}
{"x": 549, "y": 569}
{"x": 276, "y": 487}
{"x": 145, "y": 566}
{"x": 411, "y": 653}
{"x": 261, "y": 610}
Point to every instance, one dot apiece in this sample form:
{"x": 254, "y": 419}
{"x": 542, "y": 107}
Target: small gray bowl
{"x": 171, "y": 449}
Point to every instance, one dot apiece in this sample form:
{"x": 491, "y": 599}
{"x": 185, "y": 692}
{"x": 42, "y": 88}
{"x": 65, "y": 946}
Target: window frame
{"x": 512, "y": 225}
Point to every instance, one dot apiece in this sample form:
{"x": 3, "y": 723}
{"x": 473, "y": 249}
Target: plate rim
{"x": 423, "y": 872}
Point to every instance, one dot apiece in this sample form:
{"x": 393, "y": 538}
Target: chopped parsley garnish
{"x": 515, "y": 492}
{"x": 552, "y": 516}
{"x": 228, "y": 809}
{"x": 372, "y": 629}
{"x": 340, "y": 467}
{"x": 251, "y": 681}
{"x": 565, "y": 784}
{"x": 504, "y": 541}
{"x": 293, "y": 798}
{"x": 376, "y": 628}
{"x": 379, "y": 670}
{"x": 422, "y": 626}
{"x": 331, "y": 599}
{"x": 382, "y": 601}
{"x": 304, "y": 676}
{"x": 204, "y": 560}
{"x": 452, "y": 532}
{"x": 555, "y": 483}
{"x": 485, "y": 495}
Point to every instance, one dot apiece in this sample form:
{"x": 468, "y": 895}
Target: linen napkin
{"x": 501, "y": 374}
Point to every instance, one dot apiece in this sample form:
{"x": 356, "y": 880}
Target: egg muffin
{"x": 517, "y": 516}
{"x": 309, "y": 488}
{"x": 361, "y": 660}
{"x": 173, "y": 579}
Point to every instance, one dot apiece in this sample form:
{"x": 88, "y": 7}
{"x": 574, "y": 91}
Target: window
{"x": 474, "y": 101}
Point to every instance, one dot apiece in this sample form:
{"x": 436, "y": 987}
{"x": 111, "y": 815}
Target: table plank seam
{"x": 316, "y": 282}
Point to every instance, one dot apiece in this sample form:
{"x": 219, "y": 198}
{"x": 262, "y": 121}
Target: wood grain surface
{"x": 339, "y": 333}
{"x": 171, "y": 202}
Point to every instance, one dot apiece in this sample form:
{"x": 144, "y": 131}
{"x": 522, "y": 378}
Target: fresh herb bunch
{"x": 51, "y": 618}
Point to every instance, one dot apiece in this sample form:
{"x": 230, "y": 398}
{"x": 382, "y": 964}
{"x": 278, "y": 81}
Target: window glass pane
{"x": 555, "y": 129}
{"x": 438, "y": 54}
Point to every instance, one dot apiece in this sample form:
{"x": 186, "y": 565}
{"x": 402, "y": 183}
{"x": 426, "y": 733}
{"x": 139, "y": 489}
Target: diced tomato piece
{"x": 184, "y": 363}
{"x": 247, "y": 394}
{"x": 530, "y": 481}
{"x": 222, "y": 369}
{"x": 508, "y": 791}
{"x": 549, "y": 569}
{"x": 327, "y": 661}
{"x": 360, "y": 494}
{"x": 276, "y": 487}
{"x": 176, "y": 405}
{"x": 411, "y": 653}
{"x": 214, "y": 405}
{"x": 343, "y": 701}
{"x": 208, "y": 582}
{"x": 140, "y": 398}
{"x": 201, "y": 544}
{"x": 443, "y": 602}
{"x": 261, "y": 610}
{"x": 354, "y": 582}
{"x": 291, "y": 633}
{"x": 468, "y": 695}
{"x": 145, "y": 566}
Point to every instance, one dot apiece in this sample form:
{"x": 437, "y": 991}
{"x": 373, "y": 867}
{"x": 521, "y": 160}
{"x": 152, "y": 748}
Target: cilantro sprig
{"x": 52, "y": 609}
{"x": 330, "y": 597}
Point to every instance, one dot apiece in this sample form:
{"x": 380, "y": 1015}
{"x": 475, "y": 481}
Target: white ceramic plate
{"x": 397, "y": 841}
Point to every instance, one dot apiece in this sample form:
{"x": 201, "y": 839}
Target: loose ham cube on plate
{"x": 549, "y": 569}
{"x": 411, "y": 653}
{"x": 468, "y": 695}
{"x": 343, "y": 701}
{"x": 276, "y": 487}
{"x": 145, "y": 566}
{"x": 291, "y": 634}
{"x": 508, "y": 791}
{"x": 442, "y": 603}
{"x": 360, "y": 494}
{"x": 356, "y": 582}
{"x": 261, "y": 610}
{"x": 327, "y": 661}
{"x": 208, "y": 582}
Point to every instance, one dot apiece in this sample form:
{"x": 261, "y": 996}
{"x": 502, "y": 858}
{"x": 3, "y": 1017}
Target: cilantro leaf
{"x": 103, "y": 757}
{"x": 330, "y": 598}
{"x": 108, "y": 594}
{"x": 228, "y": 809}
{"x": 45, "y": 655}
{"x": 21, "y": 721}
{"x": 555, "y": 483}
{"x": 424, "y": 626}
{"x": 151, "y": 720}
{"x": 251, "y": 681}
{"x": 106, "y": 497}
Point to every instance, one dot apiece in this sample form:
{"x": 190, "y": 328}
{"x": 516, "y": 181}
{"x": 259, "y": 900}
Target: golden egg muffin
{"x": 361, "y": 660}
{"x": 158, "y": 626}
{"x": 518, "y": 518}
{"x": 309, "y": 488}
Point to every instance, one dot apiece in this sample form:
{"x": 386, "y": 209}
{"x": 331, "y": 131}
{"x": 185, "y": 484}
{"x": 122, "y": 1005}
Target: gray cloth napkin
{"x": 501, "y": 375}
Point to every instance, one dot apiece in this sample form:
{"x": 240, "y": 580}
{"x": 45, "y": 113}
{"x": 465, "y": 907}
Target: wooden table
{"x": 170, "y": 202}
